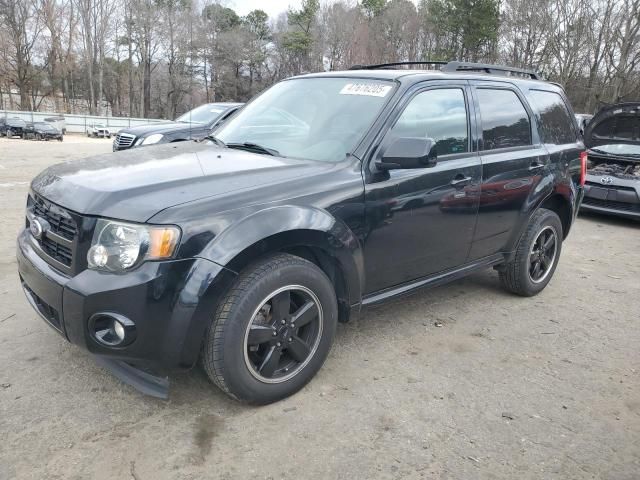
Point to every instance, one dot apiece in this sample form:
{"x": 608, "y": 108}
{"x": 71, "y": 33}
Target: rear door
{"x": 513, "y": 163}
{"x": 420, "y": 221}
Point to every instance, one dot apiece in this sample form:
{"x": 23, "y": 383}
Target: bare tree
{"x": 24, "y": 22}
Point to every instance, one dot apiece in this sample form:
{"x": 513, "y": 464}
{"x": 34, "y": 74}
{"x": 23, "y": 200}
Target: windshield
{"x": 311, "y": 118}
{"x": 619, "y": 149}
{"x": 203, "y": 114}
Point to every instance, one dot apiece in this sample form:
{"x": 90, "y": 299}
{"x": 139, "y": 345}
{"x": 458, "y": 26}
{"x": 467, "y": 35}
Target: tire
{"x": 520, "y": 275}
{"x": 60, "y": 138}
{"x": 227, "y": 354}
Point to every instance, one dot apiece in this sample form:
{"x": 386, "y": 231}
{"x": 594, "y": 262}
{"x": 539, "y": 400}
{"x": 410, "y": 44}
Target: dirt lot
{"x": 504, "y": 388}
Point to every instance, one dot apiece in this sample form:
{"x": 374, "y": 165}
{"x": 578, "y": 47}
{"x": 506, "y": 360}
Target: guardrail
{"x": 81, "y": 123}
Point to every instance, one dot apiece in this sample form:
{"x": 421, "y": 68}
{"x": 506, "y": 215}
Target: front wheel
{"x": 272, "y": 331}
{"x": 536, "y": 256}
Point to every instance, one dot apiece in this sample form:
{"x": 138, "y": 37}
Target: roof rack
{"x": 456, "y": 66}
{"x": 394, "y": 64}
{"x": 490, "y": 69}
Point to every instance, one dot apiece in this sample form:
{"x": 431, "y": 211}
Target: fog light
{"x": 112, "y": 329}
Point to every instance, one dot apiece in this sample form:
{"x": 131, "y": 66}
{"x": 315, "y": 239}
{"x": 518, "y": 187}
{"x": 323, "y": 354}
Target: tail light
{"x": 583, "y": 168}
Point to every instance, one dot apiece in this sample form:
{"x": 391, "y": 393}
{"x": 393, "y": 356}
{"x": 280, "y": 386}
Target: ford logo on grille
{"x": 38, "y": 227}
{"x": 606, "y": 180}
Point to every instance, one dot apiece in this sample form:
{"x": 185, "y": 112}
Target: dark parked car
{"x": 193, "y": 125}
{"x": 246, "y": 251}
{"x": 613, "y": 167}
{"x": 12, "y": 126}
{"x": 42, "y": 131}
{"x": 58, "y": 122}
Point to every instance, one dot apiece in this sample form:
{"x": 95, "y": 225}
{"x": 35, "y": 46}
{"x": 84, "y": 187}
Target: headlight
{"x": 117, "y": 246}
{"x": 151, "y": 139}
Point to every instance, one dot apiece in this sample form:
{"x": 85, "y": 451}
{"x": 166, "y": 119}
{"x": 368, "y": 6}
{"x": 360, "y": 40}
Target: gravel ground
{"x": 459, "y": 382}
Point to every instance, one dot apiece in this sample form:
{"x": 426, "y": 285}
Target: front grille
{"x": 613, "y": 205}
{"x": 60, "y": 224}
{"x": 47, "y": 311}
{"x": 57, "y": 251}
{"x": 611, "y": 187}
{"x": 124, "y": 140}
{"x": 58, "y": 240}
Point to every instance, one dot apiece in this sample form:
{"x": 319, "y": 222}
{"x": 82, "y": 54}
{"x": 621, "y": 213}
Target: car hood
{"x": 618, "y": 123}
{"x": 135, "y": 185}
{"x": 163, "y": 128}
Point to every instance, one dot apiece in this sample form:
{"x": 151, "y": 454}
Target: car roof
{"x": 416, "y": 75}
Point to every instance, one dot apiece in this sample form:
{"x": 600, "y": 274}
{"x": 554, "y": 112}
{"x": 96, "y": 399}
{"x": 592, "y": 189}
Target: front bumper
{"x": 171, "y": 304}
{"x": 620, "y": 198}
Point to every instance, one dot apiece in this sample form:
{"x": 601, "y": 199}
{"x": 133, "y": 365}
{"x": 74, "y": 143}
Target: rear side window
{"x": 505, "y": 122}
{"x": 439, "y": 114}
{"x": 555, "y": 121}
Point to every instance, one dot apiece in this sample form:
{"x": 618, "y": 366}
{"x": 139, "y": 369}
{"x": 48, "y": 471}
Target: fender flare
{"x": 537, "y": 199}
{"x": 297, "y": 226}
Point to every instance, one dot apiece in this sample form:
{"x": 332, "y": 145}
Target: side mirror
{"x": 409, "y": 152}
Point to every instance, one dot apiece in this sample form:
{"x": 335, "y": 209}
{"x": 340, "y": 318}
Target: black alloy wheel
{"x": 284, "y": 334}
{"x": 534, "y": 262}
{"x": 542, "y": 255}
{"x": 272, "y": 330}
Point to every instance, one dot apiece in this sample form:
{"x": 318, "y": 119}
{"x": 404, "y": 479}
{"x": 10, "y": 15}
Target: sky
{"x": 272, "y": 7}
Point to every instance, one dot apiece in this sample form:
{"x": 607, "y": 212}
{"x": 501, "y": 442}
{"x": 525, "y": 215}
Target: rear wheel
{"x": 536, "y": 256}
{"x": 272, "y": 331}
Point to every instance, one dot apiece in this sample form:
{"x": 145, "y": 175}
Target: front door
{"x": 421, "y": 220}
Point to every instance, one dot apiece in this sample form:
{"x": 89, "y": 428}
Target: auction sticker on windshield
{"x": 369, "y": 89}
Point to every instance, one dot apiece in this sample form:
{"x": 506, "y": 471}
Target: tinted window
{"x": 438, "y": 114}
{"x": 556, "y": 124}
{"x": 505, "y": 122}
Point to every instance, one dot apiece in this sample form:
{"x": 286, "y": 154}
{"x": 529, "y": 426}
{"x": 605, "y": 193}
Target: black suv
{"x": 326, "y": 193}
{"x": 193, "y": 125}
{"x": 12, "y": 126}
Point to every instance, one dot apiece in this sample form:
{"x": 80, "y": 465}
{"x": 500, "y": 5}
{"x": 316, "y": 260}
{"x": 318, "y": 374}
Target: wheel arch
{"x": 557, "y": 203}
{"x": 310, "y": 233}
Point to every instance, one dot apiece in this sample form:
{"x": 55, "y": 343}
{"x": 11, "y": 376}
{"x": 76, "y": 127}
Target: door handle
{"x": 536, "y": 166}
{"x": 460, "y": 180}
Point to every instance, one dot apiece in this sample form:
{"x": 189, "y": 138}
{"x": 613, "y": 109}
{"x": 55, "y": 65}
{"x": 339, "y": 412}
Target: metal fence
{"x": 81, "y": 123}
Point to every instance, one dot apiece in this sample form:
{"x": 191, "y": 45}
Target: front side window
{"x": 505, "y": 122}
{"x": 439, "y": 114}
{"x": 318, "y": 118}
{"x": 202, "y": 115}
{"x": 556, "y": 124}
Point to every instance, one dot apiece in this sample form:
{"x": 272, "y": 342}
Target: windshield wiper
{"x": 254, "y": 147}
{"x": 215, "y": 140}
